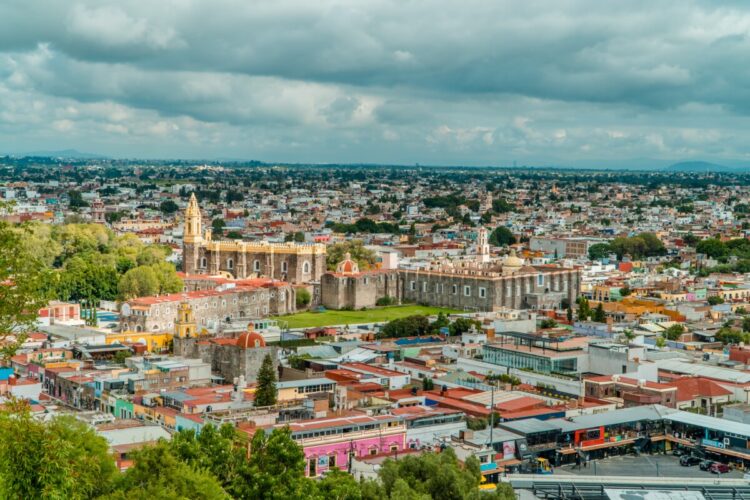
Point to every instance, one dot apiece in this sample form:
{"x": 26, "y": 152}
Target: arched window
{"x": 204, "y": 262}
{"x": 230, "y": 263}
{"x": 284, "y": 267}
{"x": 256, "y": 266}
{"x": 306, "y": 267}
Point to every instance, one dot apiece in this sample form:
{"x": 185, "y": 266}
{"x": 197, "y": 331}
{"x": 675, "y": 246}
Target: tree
{"x": 303, "y": 298}
{"x": 599, "y": 315}
{"x": 364, "y": 257}
{"x": 690, "y": 239}
{"x": 62, "y": 458}
{"x": 168, "y": 207}
{"x": 502, "y": 236}
{"x": 277, "y": 467}
{"x": 500, "y": 206}
{"x": 661, "y": 342}
{"x": 674, "y": 332}
{"x": 625, "y": 291}
{"x": 463, "y": 325}
{"x": 298, "y": 237}
{"x": 410, "y": 326}
{"x": 339, "y": 485}
{"x": 746, "y": 324}
{"x": 266, "y": 393}
{"x": 141, "y": 281}
{"x": 584, "y": 310}
{"x": 427, "y": 384}
{"x": 712, "y": 247}
{"x": 715, "y": 300}
{"x": 599, "y": 251}
{"x": 76, "y": 201}
{"x": 158, "y": 473}
{"x": 728, "y": 335}
{"x": 24, "y": 289}
{"x": 436, "y": 476}
{"x": 569, "y": 314}
{"x": 548, "y": 323}
{"x": 440, "y": 322}
{"x": 217, "y": 226}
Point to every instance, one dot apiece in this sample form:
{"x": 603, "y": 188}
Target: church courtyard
{"x": 377, "y": 315}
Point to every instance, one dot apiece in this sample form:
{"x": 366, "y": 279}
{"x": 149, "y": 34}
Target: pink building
{"x": 333, "y": 442}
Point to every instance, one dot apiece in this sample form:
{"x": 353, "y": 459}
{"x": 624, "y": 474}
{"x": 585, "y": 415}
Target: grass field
{"x": 328, "y": 318}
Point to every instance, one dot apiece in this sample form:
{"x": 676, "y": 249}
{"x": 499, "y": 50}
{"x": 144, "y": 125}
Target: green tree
{"x": 599, "y": 315}
{"x": 661, "y": 342}
{"x": 62, "y": 458}
{"x": 599, "y": 251}
{"x": 746, "y": 324}
{"x": 364, "y": 257}
{"x": 298, "y": 237}
{"x": 217, "y": 226}
{"x": 584, "y": 309}
{"x": 728, "y": 335}
{"x": 24, "y": 290}
{"x": 548, "y": 323}
{"x": 427, "y": 384}
{"x": 410, "y": 326}
{"x": 157, "y": 473}
{"x": 502, "y": 236}
{"x": 339, "y": 485}
{"x": 441, "y": 321}
{"x": 625, "y": 291}
{"x": 463, "y": 325}
{"x": 277, "y": 468}
{"x": 712, "y": 247}
{"x": 674, "y": 332}
{"x": 303, "y": 298}
{"x": 141, "y": 281}
{"x": 569, "y": 314}
{"x": 266, "y": 393}
{"x": 168, "y": 207}
{"x": 715, "y": 300}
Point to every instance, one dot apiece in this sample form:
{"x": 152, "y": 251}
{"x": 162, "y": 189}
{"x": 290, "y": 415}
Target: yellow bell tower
{"x": 192, "y": 232}
{"x": 185, "y": 326}
{"x": 191, "y": 237}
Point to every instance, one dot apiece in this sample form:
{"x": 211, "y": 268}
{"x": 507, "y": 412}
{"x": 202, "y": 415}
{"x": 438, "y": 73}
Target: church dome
{"x": 250, "y": 339}
{"x": 512, "y": 263}
{"x": 347, "y": 266}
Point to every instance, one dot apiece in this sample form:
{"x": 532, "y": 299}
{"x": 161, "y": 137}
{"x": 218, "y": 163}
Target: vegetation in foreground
{"x": 65, "y": 459}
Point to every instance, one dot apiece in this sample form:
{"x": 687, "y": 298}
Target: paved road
{"x": 643, "y": 466}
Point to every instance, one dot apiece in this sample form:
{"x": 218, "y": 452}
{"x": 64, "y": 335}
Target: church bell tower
{"x": 191, "y": 236}
{"x": 185, "y": 326}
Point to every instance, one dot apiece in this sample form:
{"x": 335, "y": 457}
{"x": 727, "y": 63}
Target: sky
{"x": 441, "y": 82}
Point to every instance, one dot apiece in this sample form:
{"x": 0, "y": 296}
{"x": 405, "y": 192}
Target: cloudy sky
{"x": 403, "y": 81}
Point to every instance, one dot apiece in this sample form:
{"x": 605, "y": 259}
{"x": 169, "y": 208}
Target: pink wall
{"x": 361, "y": 448}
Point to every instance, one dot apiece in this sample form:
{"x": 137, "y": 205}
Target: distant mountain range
{"x": 68, "y": 154}
{"x": 702, "y": 166}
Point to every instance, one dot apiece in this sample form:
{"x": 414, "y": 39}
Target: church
{"x": 475, "y": 282}
{"x": 295, "y": 263}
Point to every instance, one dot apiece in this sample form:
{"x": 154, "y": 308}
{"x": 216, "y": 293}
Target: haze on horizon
{"x": 439, "y": 82}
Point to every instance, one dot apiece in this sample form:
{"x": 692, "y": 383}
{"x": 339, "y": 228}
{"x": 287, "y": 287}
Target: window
{"x": 284, "y": 266}
{"x": 540, "y": 280}
{"x": 424, "y": 287}
{"x": 455, "y": 289}
{"x": 482, "y": 292}
{"x": 203, "y": 262}
{"x": 230, "y": 263}
{"x": 467, "y": 291}
{"x": 256, "y": 266}
{"x": 306, "y": 268}
{"x": 412, "y": 285}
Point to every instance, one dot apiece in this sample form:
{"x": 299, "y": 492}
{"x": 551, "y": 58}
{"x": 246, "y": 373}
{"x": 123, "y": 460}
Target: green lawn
{"x": 328, "y": 318}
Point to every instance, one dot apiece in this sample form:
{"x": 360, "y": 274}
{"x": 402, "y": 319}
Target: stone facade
{"x": 292, "y": 262}
{"x": 343, "y": 291}
{"x": 475, "y": 285}
{"x": 213, "y": 307}
{"x": 228, "y": 356}
{"x": 530, "y": 288}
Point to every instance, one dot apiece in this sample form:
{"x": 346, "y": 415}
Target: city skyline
{"x": 581, "y": 84}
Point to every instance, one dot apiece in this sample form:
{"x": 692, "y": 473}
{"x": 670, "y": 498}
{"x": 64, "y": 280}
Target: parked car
{"x": 689, "y": 460}
{"x": 706, "y": 464}
{"x": 718, "y": 468}
{"x": 678, "y": 452}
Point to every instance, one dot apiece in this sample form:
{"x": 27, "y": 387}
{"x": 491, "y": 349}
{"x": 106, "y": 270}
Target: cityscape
{"x": 292, "y": 251}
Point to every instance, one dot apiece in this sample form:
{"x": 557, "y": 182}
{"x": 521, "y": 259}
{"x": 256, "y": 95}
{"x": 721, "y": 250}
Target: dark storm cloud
{"x": 486, "y": 80}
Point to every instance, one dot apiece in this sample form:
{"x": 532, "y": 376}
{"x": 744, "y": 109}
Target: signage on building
{"x": 711, "y": 442}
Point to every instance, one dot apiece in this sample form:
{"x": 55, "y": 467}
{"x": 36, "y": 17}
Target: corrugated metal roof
{"x": 717, "y": 424}
{"x": 703, "y": 370}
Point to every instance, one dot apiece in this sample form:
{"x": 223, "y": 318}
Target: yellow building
{"x": 153, "y": 341}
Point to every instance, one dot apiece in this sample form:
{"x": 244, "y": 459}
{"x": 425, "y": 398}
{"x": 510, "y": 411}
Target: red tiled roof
{"x": 689, "y": 388}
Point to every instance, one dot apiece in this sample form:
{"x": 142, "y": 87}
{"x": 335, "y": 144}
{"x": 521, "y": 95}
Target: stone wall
{"x": 358, "y": 291}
